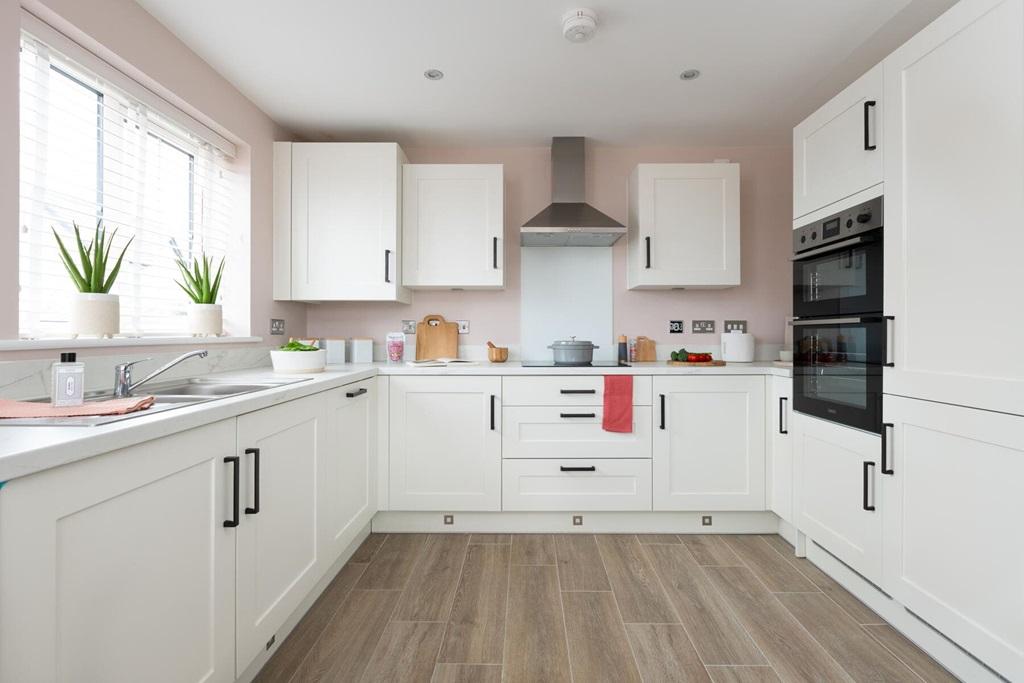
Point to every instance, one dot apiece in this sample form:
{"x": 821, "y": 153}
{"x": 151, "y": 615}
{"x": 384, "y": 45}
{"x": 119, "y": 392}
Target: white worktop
{"x": 25, "y": 450}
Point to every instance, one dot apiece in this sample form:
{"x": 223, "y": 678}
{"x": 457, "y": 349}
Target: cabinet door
{"x": 837, "y": 150}
{"x": 345, "y": 217}
{"x": 279, "y": 556}
{"x": 119, "y": 568}
{"x": 780, "y": 414}
{"x": 572, "y": 432}
{"x": 684, "y": 226}
{"x": 954, "y": 552}
{"x": 348, "y": 475}
{"x": 835, "y": 491}
{"x": 709, "y": 439}
{"x": 954, "y": 198}
{"x": 453, "y": 226}
{"x": 445, "y": 443}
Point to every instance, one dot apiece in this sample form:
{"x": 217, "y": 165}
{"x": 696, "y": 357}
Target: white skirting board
{"x": 593, "y": 522}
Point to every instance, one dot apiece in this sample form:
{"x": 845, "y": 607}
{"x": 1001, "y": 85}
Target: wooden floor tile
{"x": 467, "y": 673}
{"x": 794, "y": 654}
{"x": 368, "y": 548}
{"x": 649, "y": 539}
{"x": 917, "y": 659}
{"x": 348, "y": 641}
{"x": 429, "y": 592}
{"x": 503, "y": 539}
{"x": 392, "y": 564}
{"x": 634, "y": 582}
{"x": 743, "y": 674}
{"x": 535, "y": 648}
{"x": 579, "y": 563}
{"x": 476, "y": 629}
{"x": 710, "y": 550}
{"x": 533, "y": 549}
{"x": 598, "y": 648}
{"x": 857, "y": 652}
{"x": 664, "y": 653}
{"x": 715, "y": 631}
{"x": 305, "y": 634}
{"x": 406, "y": 653}
{"x": 776, "y": 573}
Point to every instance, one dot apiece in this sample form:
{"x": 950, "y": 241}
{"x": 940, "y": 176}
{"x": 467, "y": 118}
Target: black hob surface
{"x": 553, "y": 364}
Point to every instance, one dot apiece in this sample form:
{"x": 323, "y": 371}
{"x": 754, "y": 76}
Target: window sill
{"x": 92, "y": 343}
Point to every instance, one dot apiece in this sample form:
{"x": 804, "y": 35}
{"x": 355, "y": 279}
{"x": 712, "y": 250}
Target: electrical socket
{"x": 577, "y": 520}
{"x": 463, "y": 326}
{"x": 277, "y": 326}
{"x": 409, "y": 327}
{"x": 703, "y": 326}
{"x": 449, "y": 520}
{"x": 734, "y": 326}
{"x": 676, "y": 326}
{"x": 705, "y": 520}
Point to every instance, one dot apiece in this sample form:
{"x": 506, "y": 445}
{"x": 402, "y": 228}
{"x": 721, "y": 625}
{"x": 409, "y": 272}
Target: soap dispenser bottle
{"x": 68, "y": 377}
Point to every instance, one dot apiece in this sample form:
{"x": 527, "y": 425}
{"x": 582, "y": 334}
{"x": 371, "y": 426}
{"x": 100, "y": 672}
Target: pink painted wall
{"x": 125, "y": 35}
{"x": 763, "y": 299}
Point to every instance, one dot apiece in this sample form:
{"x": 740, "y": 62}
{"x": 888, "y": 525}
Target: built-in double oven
{"x": 839, "y": 332}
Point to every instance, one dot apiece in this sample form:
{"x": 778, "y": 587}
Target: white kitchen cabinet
{"x": 780, "y": 445}
{"x": 453, "y": 230}
{"x": 836, "y": 484}
{"x": 576, "y": 485}
{"x": 120, "y": 568}
{"x": 954, "y": 198}
{"x": 567, "y": 390}
{"x": 571, "y": 432}
{"x": 280, "y": 558}
{"x": 709, "y": 442}
{"x": 339, "y": 219}
{"x": 445, "y": 443}
{"x": 684, "y": 226}
{"x": 837, "y": 150}
{"x": 954, "y": 552}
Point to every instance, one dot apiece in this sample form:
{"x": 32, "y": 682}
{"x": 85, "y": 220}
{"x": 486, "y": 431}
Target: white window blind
{"x": 91, "y": 152}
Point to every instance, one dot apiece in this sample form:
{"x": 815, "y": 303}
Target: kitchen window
{"x": 90, "y": 151}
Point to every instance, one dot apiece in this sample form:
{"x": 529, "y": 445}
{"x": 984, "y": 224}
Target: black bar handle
{"x": 495, "y": 253}
{"x": 886, "y": 467}
{"x": 577, "y": 469}
{"x": 357, "y": 392}
{"x": 577, "y": 391}
{"x": 867, "y": 472}
{"x": 662, "y": 425}
{"x": 868, "y": 106}
{"x": 492, "y": 412}
{"x": 577, "y": 415}
{"x": 387, "y": 265}
{"x": 255, "y": 453}
{"x": 782, "y": 412}
{"x": 233, "y": 522}
{"x": 647, "y": 243}
{"x": 888, "y": 319}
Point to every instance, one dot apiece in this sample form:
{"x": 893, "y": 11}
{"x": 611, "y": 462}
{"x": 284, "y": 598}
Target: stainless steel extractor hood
{"x": 569, "y": 221}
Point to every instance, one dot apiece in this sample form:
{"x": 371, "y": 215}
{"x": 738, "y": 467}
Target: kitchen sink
{"x": 206, "y": 389}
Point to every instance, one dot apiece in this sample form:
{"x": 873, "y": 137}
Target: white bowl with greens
{"x": 297, "y": 357}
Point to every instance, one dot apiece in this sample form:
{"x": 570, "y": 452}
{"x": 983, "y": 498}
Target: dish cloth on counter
{"x": 618, "y": 404}
{"x": 116, "y": 406}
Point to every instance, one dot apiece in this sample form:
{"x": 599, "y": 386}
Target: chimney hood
{"x": 569, "y": 221}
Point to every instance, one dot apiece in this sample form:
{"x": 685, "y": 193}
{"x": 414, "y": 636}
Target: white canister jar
{"x": 205, "y": 320}
{"x": 94, "y": 314}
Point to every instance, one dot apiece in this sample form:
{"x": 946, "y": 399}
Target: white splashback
{"x": 566, "y": 291}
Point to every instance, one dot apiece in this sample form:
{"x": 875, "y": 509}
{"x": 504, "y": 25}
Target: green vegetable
{"x": 94, "y": 258}
{"x": 295, "y": 345}
{"x": 200, "y": 284}
{"x": 683, "y": 353}
{"x": 675, "y": 355}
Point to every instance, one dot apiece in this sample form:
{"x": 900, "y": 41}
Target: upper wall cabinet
{"x": 837, "y": 150}
{"x": 684, "y": 226}
{"x": 337, "y": 218}
{"x": 452, "y": 226}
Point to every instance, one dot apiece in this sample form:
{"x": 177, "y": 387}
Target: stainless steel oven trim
{"x": 840, "y": 321}
{"x": 829, "y": 248}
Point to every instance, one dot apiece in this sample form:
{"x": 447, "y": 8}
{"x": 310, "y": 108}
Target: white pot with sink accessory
{"x": 738, "y": 347}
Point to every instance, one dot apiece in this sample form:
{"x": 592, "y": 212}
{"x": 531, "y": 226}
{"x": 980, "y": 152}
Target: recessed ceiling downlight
{"x": 689, "y": 74}
{"x": 433, "y": 74}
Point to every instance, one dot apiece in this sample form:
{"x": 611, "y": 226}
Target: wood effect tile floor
{"x": 590, "y": 608}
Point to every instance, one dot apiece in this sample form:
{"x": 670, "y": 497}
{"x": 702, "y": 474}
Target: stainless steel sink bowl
{"x": 206, "y": 389}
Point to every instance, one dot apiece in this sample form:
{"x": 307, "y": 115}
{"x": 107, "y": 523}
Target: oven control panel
{"x": 854, "y": 221}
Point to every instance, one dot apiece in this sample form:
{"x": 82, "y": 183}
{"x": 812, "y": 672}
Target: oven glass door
{"x": 844, "y": 281}
{"x": 837, "y": 370}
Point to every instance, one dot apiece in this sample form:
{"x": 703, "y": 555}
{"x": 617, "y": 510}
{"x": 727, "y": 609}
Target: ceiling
{"x": 346, "y": 70}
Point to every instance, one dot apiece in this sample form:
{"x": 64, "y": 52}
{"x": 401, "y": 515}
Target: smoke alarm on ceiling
{"x": 579, "y": 25}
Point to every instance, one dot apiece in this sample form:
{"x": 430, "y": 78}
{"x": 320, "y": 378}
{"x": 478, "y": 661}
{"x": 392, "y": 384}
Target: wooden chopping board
{"x": 436, "y": 338}
{"x": 646, "y": 350}
{"x": 709, "y": 364}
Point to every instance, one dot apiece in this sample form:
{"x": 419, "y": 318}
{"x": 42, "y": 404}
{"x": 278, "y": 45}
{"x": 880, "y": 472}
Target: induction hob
{"x": 553, "y": 364}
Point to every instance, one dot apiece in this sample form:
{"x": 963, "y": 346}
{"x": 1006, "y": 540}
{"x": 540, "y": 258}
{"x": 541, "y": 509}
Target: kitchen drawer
{"x": 571, "y": 432}
{"x": 605, "y": 484}
{"x": 567, "y": 390}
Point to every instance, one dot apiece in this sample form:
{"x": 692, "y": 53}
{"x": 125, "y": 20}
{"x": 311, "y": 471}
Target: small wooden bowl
{"x": 497, "y": 354}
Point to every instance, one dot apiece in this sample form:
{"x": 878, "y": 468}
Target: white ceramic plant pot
{"x": 95, "y": 315}
{"x": 298, "y": 361}
{"x": 205, "y": 320}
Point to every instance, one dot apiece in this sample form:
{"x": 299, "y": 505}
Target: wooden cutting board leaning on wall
{"x": 646, "y": 350}
{"x": 436, "y": 338}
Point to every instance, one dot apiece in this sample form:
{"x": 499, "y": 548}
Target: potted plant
{"x": 202, "y": 284}
{"x": 94, "y": 310}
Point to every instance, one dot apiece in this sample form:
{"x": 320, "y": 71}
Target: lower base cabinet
{"x": 780, "y": 444}
{"x": 576, "y": 485}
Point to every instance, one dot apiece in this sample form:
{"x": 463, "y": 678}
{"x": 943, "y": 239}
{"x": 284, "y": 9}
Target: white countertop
{"x": 25, "y": 450}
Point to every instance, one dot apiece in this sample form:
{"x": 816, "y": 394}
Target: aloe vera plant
{"x": 90, "y": 273}
{"x": 201, "y": 282}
